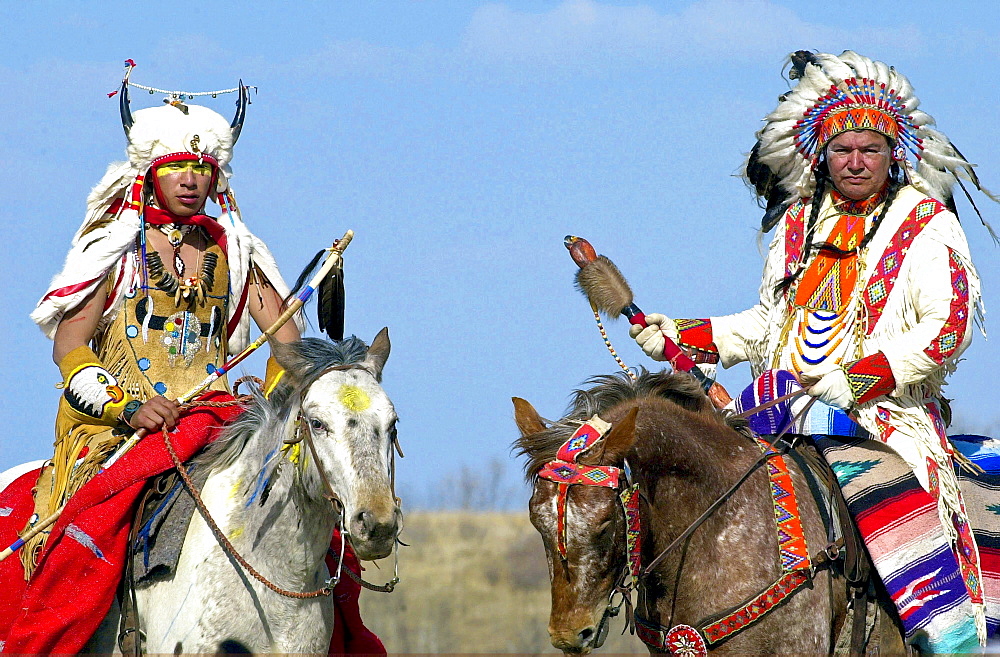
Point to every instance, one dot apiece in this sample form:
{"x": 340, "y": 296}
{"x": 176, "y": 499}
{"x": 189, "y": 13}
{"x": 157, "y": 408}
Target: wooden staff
{"x": 336, "y": 254}
{"x": 608, "y": 291}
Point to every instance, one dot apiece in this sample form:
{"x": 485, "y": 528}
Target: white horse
{"x": 268, "y": 494}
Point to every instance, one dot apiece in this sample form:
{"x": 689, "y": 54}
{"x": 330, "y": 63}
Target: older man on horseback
{"x": 867, "y": 301}
{"x": 154, "y": 294}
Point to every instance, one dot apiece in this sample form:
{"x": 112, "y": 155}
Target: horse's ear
{"x": 527, "y": 418}
{"x": 378, "y": 352}
{"x": 621, "y": 437}
{"x": 289, "y": 359}
{"x": 616, "y": 443}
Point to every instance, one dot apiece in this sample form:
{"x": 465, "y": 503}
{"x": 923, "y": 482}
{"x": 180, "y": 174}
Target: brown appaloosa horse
{"x": 683, "y": 454}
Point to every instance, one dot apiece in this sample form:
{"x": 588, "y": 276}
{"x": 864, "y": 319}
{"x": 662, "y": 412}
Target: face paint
{"x": 235, "y": 490}
{"x": 183, "y": 185}
{"x": 184, "y": 166}
{"x": 353, "y": 398}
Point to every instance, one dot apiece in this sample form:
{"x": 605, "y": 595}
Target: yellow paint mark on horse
{"x": 235, "y": 490}
{"x": 354, "y": 398}
{"x": 236, "y": 533}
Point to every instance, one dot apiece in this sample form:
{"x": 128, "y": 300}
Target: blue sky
{"x": 461, "y": 141}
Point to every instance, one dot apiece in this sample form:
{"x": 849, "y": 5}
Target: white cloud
{"x": 591, "y": 38}
{"x": 582, "y": 33}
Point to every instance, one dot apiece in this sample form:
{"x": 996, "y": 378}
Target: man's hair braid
{"x": 896, "y": 182}
{"x": 821, "y": 174}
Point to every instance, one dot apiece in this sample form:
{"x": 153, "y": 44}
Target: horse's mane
{"x": 608, "y": 390}
{"x": 268, "y": 415}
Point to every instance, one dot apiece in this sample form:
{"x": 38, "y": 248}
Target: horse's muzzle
{"x": 575, "y": 642}
{"x": 374, "y": 535}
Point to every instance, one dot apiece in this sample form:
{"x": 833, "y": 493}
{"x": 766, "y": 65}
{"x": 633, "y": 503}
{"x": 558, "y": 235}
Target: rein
{"x": 714, "y": 506}
{"x": 219, "y": 535}
{"x": 797, "y": 572}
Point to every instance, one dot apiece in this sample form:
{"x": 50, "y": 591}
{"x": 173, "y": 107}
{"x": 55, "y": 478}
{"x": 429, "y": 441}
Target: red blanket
{"x": 78, "y": 573}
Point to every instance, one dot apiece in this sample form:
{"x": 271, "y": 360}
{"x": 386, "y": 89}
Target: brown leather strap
{"x": 725, "y": 496}
{"x": 768, "y": 404}
{"x": 859, "y": 621}
{"x": 130, "y": 637}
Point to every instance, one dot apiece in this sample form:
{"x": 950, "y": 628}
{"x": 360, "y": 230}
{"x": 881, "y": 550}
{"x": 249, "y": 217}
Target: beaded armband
{"x": 870, "y": 377}
{"x": 696, "y": 338}
{"x": 91, "y": 394}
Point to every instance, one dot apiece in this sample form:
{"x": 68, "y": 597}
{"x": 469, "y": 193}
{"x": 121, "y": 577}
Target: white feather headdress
{"x": 114, "y": 208}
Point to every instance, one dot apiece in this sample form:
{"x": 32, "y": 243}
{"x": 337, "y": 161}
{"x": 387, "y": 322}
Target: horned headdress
{"x": 175, "y": 130}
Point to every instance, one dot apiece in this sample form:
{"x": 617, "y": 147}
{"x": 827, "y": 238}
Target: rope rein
{"x": 219, "y": 535}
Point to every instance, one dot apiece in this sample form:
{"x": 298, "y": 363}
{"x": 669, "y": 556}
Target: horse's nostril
{"x": 585, "y": 635}
{"x": 363, "y": 519}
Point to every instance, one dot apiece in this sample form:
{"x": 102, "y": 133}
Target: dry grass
{"x": 471, "y": 582}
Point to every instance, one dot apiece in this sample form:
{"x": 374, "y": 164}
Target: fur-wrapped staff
{"x": 608, "y": 292}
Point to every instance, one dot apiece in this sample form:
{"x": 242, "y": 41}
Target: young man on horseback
{"x": 867, "y": 301}
{"x": 153, "y": 296}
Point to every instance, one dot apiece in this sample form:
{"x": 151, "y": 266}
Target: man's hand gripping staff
{"x": 609, "y": 293}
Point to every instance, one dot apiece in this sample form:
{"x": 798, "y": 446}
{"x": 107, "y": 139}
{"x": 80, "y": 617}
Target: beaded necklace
{"x": 189, "y": 290}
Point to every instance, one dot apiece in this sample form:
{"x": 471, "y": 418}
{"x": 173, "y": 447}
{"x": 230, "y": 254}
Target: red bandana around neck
{"x": 160, "y": 217}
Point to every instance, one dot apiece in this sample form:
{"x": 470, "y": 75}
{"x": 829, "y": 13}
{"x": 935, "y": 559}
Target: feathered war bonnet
{"x": 835, "y": 94}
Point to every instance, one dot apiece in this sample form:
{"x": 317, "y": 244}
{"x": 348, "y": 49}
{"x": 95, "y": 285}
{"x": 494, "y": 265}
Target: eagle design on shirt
{"x": 91, "y": 389}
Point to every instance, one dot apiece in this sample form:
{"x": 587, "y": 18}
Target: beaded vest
{"x": 163, "y": 344}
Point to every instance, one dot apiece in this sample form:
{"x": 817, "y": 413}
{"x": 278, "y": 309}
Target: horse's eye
{"x": 317, "y": 425}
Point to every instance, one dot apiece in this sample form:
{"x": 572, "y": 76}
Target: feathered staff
{"x": 331, "y": 299}
{"x": 608, "y": 292}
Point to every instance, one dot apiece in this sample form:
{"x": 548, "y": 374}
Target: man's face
{"x": 859, "y": 163}
{"x": 184, "y": 186}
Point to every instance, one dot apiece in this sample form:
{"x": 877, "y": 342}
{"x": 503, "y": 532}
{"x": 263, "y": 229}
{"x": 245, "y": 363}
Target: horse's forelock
{"x": 310, "y": 358}
{"x": 315, "y": 355}
{"x": 606, "y": 391}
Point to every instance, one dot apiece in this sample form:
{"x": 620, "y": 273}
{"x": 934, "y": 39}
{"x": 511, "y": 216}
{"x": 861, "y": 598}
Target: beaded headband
{"x": 856, "y": 104}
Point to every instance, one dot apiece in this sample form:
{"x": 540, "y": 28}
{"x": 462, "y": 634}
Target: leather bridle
{"x": 303, "y": 433}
